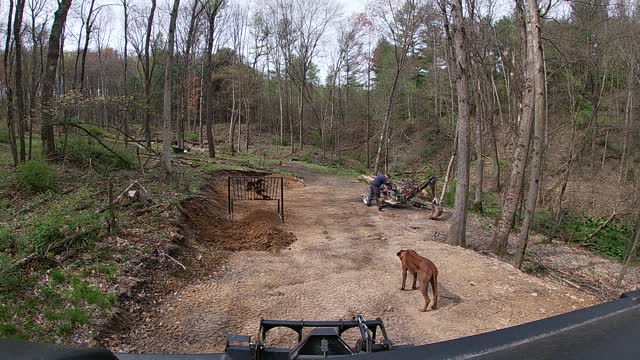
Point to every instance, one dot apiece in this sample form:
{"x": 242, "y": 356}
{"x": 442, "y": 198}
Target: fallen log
{"x": 604, "y": 225}
{"x": 366, "y": 178}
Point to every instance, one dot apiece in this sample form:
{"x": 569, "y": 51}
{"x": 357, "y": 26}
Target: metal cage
{"x": 265, "y": 188}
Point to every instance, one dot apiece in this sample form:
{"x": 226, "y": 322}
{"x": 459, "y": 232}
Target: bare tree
{"x": 515, "y": 187}
{"x": 148, "y": 73}
{"x": 168, "y": 86}
{"x": 125, "y": 70}
{"x": 36, "y": 7}
{"x": 190, "y": 43}
{"x": 310, "y": 21}
{"x": 457, "y": 230}
{"x": 48, "y": 85}
{"x": 88, "y": 27}
{"x": 17, "y": 50}
{"x": 534, "y": 27}
{"x": 401, "y": 23}
{"x": 8, "y": 86}
{"x": 211, "y": 9}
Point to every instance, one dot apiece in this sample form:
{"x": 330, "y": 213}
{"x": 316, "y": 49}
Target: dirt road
{"x": 343, "y": 263}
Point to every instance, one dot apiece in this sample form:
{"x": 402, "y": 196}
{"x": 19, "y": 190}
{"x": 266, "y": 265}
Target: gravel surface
{"x": 344, "y": 263}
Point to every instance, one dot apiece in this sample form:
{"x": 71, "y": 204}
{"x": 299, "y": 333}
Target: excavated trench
{"x": 255, "y": 226}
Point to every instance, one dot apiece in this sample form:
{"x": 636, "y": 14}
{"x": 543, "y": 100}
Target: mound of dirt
{"x": 256, "y": 231}
{"x": 260, "y": 237}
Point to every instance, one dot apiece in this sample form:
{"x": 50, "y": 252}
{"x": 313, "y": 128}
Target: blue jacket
{"x": 380, "y": 180}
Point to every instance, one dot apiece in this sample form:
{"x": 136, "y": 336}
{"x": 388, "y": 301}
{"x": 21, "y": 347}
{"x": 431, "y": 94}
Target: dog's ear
{"x": 399, "y": 253}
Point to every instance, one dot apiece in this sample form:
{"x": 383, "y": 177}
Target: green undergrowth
{"x": 36, "y": 176}
{"x": 50, "y": 260}
{"x": 243, "y": 162}
{"x": 613, "y": 240}
{"x": 60, "y": 300}
{"x": 86, "y": 151}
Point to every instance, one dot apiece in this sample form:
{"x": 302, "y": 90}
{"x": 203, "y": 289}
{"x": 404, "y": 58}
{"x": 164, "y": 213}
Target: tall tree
{"x": 125, "y": 71}
{"x": 534, "y": 26}
{"x": 48, "y": 85}
{"x": 458, "y": 228}
{"x": 168, "y": 86}
{"x": 515, "y": 187}
{"x": 36, "y": 7}
{"x": 88, "y": 27}
{"x": 211, "y": 9}
{"x": 148, "y": 74}
{"x": 401, "y": 23}
{"x": 8, "y": 86}
{"x": 310, "y": 21}
{"x": 18, "y": 79}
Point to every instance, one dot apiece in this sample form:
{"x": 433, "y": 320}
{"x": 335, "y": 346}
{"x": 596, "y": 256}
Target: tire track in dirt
{"x": 343, "y": 263}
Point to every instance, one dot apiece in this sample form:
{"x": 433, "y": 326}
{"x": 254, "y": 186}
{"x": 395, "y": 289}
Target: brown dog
{"x": 422, "y": 269}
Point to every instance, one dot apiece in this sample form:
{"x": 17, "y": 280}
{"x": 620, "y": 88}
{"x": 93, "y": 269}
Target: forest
{"x": 525, "y": 111}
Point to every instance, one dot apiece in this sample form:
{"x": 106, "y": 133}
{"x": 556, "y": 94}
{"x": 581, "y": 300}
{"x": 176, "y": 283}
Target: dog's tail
{"x": 434, "y": 287}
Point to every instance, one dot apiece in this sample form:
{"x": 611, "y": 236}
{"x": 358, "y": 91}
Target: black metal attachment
{"x": 266, "y": 188}
{"x": 404, "y": 199}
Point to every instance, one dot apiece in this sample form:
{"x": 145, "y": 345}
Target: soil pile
{"x": 256, "y": 231}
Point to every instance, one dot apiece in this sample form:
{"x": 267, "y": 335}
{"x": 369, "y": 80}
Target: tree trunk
{"x": 232, "y": 118}
{"x": 387, "y": 117}
{"x": 125, "y": 118}
{"x": 85, "y": 49}
{"x": 512, "y": 196}
{"x": 301, "y": 122}
{"x": 48, "y": 85}
{"x": 632, "y": 253}
{"x": 495, "y": 161}
{"x": 628, "y": 115}
{"x": 477, "y": 201}
{"x": 35, "y": 77}
{"x": 368, "y": 117}
{"x": 246, "y": 149}
{"x": 8, "y": 88}
{"x": 539, "y": 129}
{"x": 212, "y": 13}
{"x": 17, "y": 49}
{"x": 191, "y": 36}
{"x": 147, "y": 76}
{"x": 289, "y": 117}
{"x": 604, "y": 150}
{"x": 280, "y": 99}
{"x": 167, "y": 136}
{"x": 457, "y": 231}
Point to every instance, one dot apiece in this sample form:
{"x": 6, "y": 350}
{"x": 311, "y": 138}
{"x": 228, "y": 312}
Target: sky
{"x": 113, "y": 25}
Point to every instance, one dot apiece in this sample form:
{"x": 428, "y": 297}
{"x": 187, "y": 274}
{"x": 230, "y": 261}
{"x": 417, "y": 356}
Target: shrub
{"x": 36, "y": 176}
{"x": 85, "y": 150}
{"x": 81, "y": 291}
{"x": 10, "y": 276}
{"x": 46, "y": 230}
{"x": 612, "y": 240}
{"x": 450, "y": 196}
{"x": 192, "y": 136}
{"x": 60, "y": 224}
{"x": 7, "y": 238}
{"x": 360, "y": 169}
{"x": 4, "y": 134}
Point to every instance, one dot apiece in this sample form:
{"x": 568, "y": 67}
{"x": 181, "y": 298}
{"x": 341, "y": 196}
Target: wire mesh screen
{"x": 241, "y": 188}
